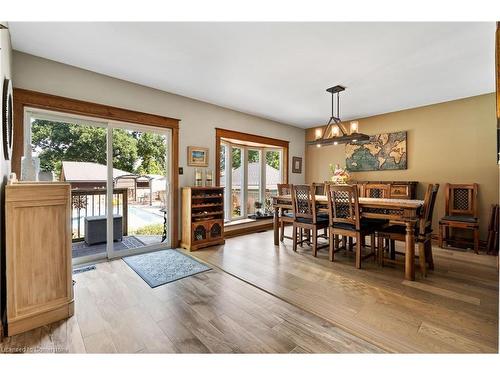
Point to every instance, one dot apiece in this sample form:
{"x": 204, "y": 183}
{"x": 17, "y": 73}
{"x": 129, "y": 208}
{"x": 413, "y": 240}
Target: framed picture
{"x": 296, "y": 164}
{"x": 197, "y": 156}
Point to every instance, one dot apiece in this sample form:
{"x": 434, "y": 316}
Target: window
{"x": 250, "y": 172}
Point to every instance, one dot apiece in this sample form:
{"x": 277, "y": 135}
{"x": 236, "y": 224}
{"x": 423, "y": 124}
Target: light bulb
{"x": 354, "y": 127}
{"x": 318, "y": 145}
{"x": 318, "y": 133}
{"x": 335, "y": 143}
{"x": 335, "y": 131}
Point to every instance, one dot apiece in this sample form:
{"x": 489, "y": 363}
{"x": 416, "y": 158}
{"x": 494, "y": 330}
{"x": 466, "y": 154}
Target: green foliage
{"x": 151, "y": 229}
{"x": 272, "y": 158}
{"x": 152, "y": 149}
{"x": 134, "y": 152}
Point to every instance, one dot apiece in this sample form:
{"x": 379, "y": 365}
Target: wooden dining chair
{"x": 423, "y": 232}
{"x": 460, "y": 212}
{"x": 285, "y": 213}
{"x": 377, "y": 190}
{"x": 319, "y": 188}
{"x": 306, "y": 215}
{"x": 344, "y": 220}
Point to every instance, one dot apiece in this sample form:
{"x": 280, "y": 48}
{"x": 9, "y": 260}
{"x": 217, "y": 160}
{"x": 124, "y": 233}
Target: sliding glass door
{"x": 119, "y": 176}
{"x": 141, "y": 190}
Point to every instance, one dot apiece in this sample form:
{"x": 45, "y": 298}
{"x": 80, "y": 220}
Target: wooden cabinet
{"x": 39, "y": 287}
{"x": 397, "y": 189}
{"x": 202, "y": 217}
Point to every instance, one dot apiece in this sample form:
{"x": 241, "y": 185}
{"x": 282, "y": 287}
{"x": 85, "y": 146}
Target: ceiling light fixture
{"x": 335, "y": 132}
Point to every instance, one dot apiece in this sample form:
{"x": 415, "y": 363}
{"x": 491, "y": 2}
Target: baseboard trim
{"x": 22, "y": 325}
{"x": 240, "y": 231}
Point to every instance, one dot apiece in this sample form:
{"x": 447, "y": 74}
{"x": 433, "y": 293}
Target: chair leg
{"x": 294, "y": 236}
{"x": 350, "y": 242}
{"x": 392, "y": 248}
{"x": 428, "y": 256}
{"x": 332, "y": 244}
{"x": 421, "y": 258}
{"x": 476, "y": 240}
{"x": 372, "y": 247}
{"x": 440, "y": 242}
{"x": 380, "y": 250}
{"x": 358, "y": 250}
{"x": 315, "y": 242}
{"x": 282, "y": 231}
{"x": 301, "y": 234}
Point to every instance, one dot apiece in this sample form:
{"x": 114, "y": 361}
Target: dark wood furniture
{"x": 423, "y": 232}
{"x": 306, "y": 215}
{"x": 461, "y": 212}
{"x": 403, "y": 210}
{"x": 202, "y": 217}
{"x": 376, "y": 190}
{"x": 492, "y": 241}
{"x": 397, "y": 189}
{"x": 345, "y": 220}
{"x": 285, "y": 213}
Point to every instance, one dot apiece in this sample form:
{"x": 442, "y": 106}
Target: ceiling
{"x": 280, "y": 70}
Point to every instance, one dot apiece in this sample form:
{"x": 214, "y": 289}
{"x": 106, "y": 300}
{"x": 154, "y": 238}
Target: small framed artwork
{"x": 296, "y": 164}
{"x": 197, "y": 156}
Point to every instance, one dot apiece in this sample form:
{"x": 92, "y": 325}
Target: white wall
{"x": 198, "y": 119}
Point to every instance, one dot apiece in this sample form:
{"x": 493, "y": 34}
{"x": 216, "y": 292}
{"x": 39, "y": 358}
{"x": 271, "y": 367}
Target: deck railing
{"x": 92, "y": 202}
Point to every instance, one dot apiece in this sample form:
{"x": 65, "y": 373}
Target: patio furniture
{"x": 95, "y": 229}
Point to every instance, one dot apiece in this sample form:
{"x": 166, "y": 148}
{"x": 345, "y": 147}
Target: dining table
{"x": 406, "y": 212}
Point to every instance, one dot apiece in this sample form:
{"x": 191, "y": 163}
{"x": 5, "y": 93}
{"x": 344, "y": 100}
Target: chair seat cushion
{"x": 366, "y": 225}
{"x": 400, "y": 229}
{"x": 463, "y": 219}
{"x": 288, "y": 214}
{"x": 320, "y": 219}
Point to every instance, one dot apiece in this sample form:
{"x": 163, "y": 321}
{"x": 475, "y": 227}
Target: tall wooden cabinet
{"x": 39, "y": 288}
{"x": 202, "y": 217}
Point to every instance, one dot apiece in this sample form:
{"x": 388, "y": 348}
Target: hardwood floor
{"x": 454, "y": 309}
{"x": 290, "y": 303}
{"x": 212, "y": 312}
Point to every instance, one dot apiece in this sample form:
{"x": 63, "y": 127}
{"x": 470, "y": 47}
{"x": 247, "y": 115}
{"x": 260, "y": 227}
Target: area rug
{"x": 164, "y": 266}
{"x": 81, "y": 249}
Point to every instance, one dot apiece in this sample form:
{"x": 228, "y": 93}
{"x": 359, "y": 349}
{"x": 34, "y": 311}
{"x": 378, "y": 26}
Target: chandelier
{"x": 335, "y": 132}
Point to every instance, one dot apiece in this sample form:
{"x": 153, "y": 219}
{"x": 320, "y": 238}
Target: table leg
{"x": 276, "y": 226}
{"x": 410, "y": 252}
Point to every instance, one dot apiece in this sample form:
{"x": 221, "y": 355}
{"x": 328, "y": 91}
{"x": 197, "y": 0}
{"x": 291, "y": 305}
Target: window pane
{"x": 254, "y": 203}
{"x": 237, "y": 178}
{"x": 222, "y": 167}
{"x": 273, "y": 177}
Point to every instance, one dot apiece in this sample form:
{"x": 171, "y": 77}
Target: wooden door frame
{"x": 245, "y": 137}
{"x": 27, "y": 98}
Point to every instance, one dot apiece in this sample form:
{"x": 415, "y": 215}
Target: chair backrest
{"x": 428, "y": 209}
{"x": 304, "y": 202}
{"x": 376, "y": 190}
{"x": 343, "y": 205}
{"x": 461, "y": 199}
{"x": 285, "y": 189}
{"x": 319, "y": 188}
